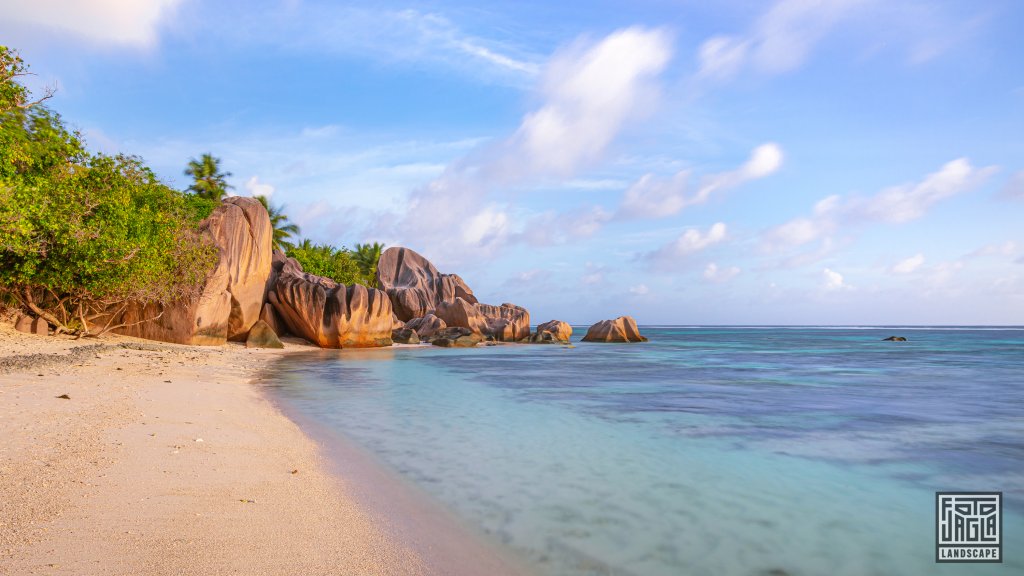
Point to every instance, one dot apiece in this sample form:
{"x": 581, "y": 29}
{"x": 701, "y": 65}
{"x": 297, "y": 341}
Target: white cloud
{"x": 780, "y": 40}
{"x": 651, "y": 197}
{"x": 908, "y": 265}
{"x": 832, "y": 280}
{"x": 712, "y": 273}
{"x": 590, "y": 92}
{"x": 639, "y": 289}
{"x": 120, "y": 22}
{"x": 894, "y": 205}
{"x": 256, "y": 188}
{"x": 688, "y": 243}
{"x": 910, "y": 201}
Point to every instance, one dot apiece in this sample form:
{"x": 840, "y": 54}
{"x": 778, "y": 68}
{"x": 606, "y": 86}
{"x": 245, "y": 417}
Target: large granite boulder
{"x": 426, "y": 326}
{"x": 506, "y": 323}
{"x": 552, "y": 332}
{"x": 622, "y": 329}
{"x": 329, "y": 314}
{"x": 233, "y": 292}
{"x": 414, "y": 285}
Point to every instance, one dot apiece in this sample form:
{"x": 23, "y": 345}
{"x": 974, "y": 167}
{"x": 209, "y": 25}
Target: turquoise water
{"x": 747, "y": 451}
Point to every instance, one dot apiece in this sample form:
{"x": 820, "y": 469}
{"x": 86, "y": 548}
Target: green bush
{"x": 338, "y": 264}
{"x": 81, "y": 236}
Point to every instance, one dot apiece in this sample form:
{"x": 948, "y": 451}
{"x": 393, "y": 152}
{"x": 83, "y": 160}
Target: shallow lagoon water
{"x": 706, "y": 451}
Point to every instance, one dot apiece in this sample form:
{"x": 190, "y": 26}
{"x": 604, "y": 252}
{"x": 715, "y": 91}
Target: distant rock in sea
{"x": 552, "y": 332}
{"x": 622, "y": 329}
{"x": 329, "y": 314}
{"x": 894, "y": 339}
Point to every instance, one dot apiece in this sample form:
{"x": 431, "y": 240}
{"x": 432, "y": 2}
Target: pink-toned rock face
{"x": 329, "y": 314}
{"x": 233, "y": 292}
{"x": 622, "y": 329}
{"x": 414, "y": 285}
{"x": 426, "y": 326}
{"x": 554, "y": 331}
{"x": 507, "y": 323}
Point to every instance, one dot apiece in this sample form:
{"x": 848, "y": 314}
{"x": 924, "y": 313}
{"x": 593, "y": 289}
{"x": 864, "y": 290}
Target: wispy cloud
{"x": 652, "y": 197}
{"x": 908, "y": 265}
{"x": 713, "y": 273}
{"x": 1014, "y": 187}
{"x": 779, "y": 41}
{"x": 130, "y": 23}
{"x": 379, "y": 34}
{"x": 669, "y": 256}
{"x": 590, "y": 92}
{"x": 893, "y": 205}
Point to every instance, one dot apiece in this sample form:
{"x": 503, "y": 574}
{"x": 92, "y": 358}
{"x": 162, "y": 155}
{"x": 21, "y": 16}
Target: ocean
{"x": 708, "y": 450}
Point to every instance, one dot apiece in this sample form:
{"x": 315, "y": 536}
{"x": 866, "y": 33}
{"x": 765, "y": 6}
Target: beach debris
{"x": 296, "y": 471}
{"x": 63, "y": 396}
{"x": 246, "y": 501}
{"x": 894, "y": 339}
{"x": 199, "y": 440}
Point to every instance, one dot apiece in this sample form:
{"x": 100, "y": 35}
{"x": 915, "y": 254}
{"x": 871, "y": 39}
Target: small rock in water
{"x": 895, "y": 339}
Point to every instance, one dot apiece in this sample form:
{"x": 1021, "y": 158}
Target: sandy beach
{"x": 166, "y": 459}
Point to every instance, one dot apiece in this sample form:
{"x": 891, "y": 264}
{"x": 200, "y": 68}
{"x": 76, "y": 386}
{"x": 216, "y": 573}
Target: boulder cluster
{"x": 256, "y": 294}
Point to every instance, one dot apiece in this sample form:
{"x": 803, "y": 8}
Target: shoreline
{"x": 173, "y": 459}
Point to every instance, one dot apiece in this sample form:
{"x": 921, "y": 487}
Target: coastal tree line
{"x": 84, "y": 235}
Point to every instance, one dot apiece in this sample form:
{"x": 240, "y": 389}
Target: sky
{"x": 855, "y": 162}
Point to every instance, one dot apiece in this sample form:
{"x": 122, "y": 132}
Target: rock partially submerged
{"x": 505, "y": 323}
{"x": 457, "y": 337}
{"x": 895, "y": 339}
{"x": 261, "y": 335}
{"x": 415, "y": 286}
{"x": 405, "y": 336}
{"x": 552, "y": 332}
{"x": 622, "y": 329}
{"x": 329, "y": 314}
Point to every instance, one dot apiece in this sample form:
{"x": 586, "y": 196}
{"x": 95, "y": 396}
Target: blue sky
{"x": 746, "y": 162}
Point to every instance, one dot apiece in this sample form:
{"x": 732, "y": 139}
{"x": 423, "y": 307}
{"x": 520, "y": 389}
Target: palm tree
{"x": 367, "y": 256}
{"x": 208, "y": 181}
{"x": 283, "y": 230}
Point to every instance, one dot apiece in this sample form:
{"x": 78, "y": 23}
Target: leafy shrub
{"x": 338, "y": 264}
{"x": 82, "y": 235}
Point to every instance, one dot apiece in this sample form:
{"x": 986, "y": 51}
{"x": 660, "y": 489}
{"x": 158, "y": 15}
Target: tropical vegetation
{"x": 338, "y": 264}
{"x": 84, "y": 236}
{"x": 207, "y": 179}
{"x": 283, "y": 229}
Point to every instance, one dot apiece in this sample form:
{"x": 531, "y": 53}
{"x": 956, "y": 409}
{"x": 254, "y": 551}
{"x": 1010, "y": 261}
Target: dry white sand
{"x": 167, "y": 460}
